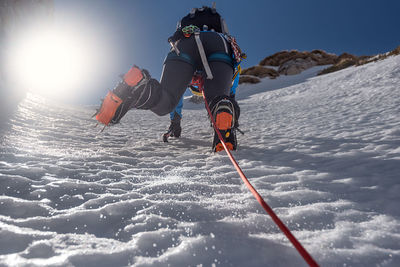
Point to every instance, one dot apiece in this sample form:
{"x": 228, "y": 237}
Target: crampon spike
{"x": 103, "y": 128}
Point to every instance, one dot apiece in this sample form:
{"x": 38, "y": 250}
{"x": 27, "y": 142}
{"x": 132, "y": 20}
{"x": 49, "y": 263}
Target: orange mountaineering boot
{"x": 223, "y": 113}
{"x": 118, "y": 101}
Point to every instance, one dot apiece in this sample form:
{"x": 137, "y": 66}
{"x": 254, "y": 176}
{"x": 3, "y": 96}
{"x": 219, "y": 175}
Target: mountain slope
{"x": 323, "y": 152}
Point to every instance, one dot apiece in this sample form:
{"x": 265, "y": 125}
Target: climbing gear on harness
{"x": 238, "y": 70}
{"x": 189, "y": 30}
{"x": 195, "y": 84}
{"x": 239, "y": 55}
{"x": 174, "y": 47}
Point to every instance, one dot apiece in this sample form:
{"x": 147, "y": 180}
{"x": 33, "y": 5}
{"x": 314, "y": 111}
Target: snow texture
{"x": 324, "y": 152}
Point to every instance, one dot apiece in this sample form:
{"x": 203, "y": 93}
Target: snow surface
{"x": 324, "y": 152}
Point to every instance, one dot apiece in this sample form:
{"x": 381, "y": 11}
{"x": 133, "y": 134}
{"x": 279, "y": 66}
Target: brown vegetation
{"x": 261, "y": 72}
{"x": 346, "y": 60}
{"x": 278, "y": 59}
{"x": 395, "y": 52}
{"x": 343, "y": 61}
{"x": 248, "y": 79}
{"x": 342, "y": 64}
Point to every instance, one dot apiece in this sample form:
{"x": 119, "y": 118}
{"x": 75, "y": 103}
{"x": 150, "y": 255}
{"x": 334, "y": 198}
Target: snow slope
{"x": 324, "y": 152}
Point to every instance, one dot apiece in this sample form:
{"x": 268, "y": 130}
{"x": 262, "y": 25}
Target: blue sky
{"x": 135, "y": 31}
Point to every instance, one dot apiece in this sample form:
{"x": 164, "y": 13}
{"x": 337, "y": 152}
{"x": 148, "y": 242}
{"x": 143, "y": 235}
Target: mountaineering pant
{"x": 179, "y": 107}
{"x": 162, "y": 97}
{"x": 177, "y": 110}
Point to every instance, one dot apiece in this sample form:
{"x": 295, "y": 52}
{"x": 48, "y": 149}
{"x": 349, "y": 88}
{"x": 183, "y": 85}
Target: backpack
{"x": 205, "y": 16}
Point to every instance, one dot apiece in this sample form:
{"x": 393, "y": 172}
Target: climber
{"x": 202, "y": 43}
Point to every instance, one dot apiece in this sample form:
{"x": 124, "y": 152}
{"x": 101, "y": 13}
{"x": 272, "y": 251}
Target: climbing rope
{"x": 303, "y": 252}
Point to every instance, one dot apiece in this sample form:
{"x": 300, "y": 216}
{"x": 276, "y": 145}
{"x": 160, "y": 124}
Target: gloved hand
{"x": 176, "y": 36}
{"x": 175, "y": 128}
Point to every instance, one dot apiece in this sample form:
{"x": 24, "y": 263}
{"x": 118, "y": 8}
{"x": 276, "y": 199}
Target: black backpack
{"x": 207, "y": 16}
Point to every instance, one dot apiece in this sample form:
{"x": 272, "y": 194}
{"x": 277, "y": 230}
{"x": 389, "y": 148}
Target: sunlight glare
{"x": 51, "y": 61}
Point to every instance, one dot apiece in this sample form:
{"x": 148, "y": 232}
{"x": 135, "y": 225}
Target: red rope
{"x": 303, "y": 252}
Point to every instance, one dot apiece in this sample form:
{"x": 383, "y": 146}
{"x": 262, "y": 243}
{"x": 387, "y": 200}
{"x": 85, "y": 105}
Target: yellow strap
{"x": 238, "y": 71}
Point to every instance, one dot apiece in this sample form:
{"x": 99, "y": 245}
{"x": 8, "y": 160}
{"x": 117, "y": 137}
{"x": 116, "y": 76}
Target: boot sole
{"x": 223, "y": 122}
{"x": 219, "y": 147}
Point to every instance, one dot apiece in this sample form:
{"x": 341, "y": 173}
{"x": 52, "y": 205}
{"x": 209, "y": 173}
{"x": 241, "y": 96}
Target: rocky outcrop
{"x": 294, "y": 62}
{"x": 296, "y": 66}
{"x": 286, "y": 63}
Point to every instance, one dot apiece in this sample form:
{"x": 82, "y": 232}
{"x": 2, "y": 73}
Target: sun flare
{"x": 50, "y": 61}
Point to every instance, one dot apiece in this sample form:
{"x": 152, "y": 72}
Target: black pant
{"x": 178, "y": 72}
